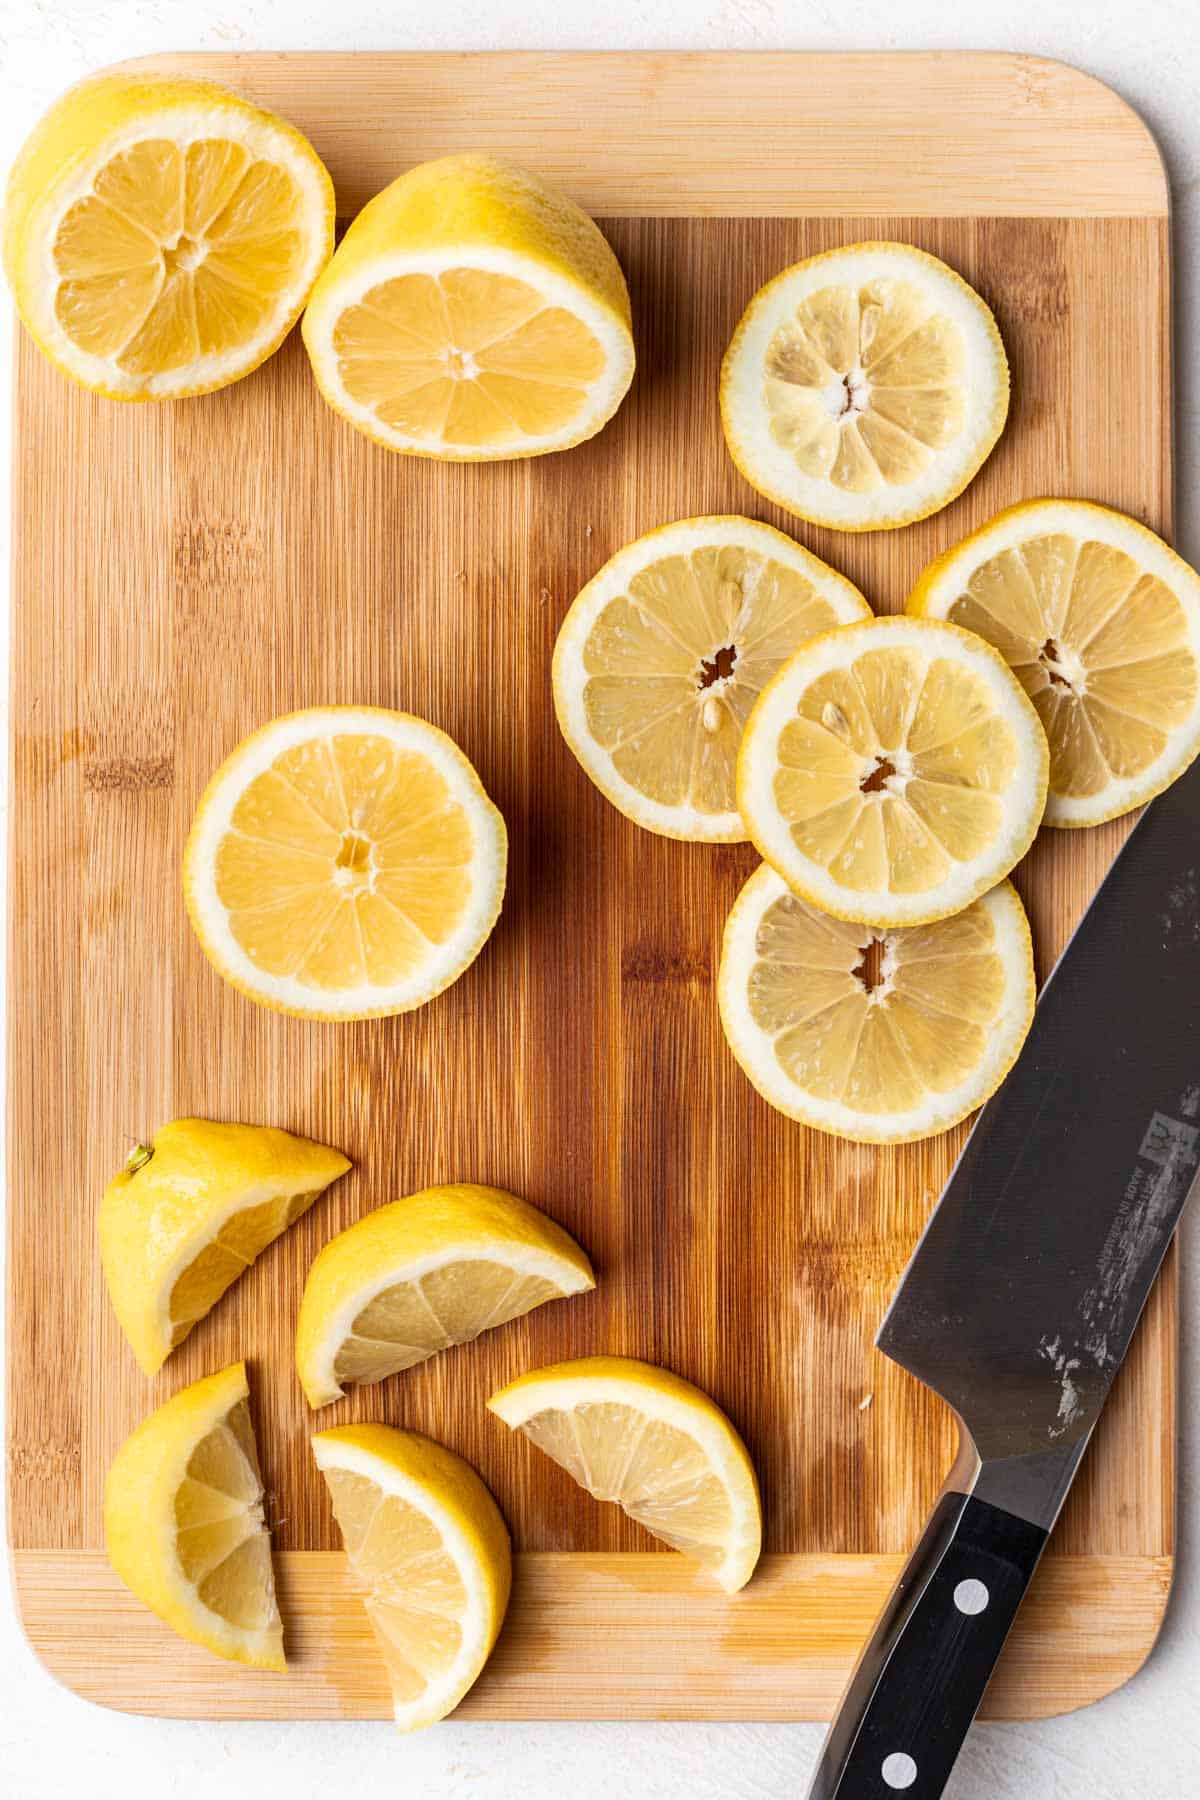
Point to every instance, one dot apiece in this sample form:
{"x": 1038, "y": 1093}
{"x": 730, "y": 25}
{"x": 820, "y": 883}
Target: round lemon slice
{"x": 657, "y": 1446}
{"x": 885, "y": 1038}
{"x": 894, "y": 771}
{"x": 426, "y": 1541}
{"x": 162, "y": 236}
{"x": 472, "y": 314}
{"x": 190, "y": 1212}
{"x": 416, "y": 1276}
{"x": 1101, "y": 623}
{"x": 865, "y": 387}
{"x": 663, "y": 654}
{"x": 183, "y": 1516}
{"x": 345, "y": 862}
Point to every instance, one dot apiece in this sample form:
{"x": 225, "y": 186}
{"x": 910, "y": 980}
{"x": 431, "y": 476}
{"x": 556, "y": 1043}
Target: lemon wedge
{"x": 662, "y": 1450}
{"x": 183, "y": 1516}
{"x": 416, "y": 1276}
{"x": 865, "y": 387}
{"x": 662, "y": 655}
{"x": 162, "y": 235}
{"x": 1100, "y": 621}
{"x": 893, "y": 771}
{"x": 881, "y": 1038}
{"x": 345, "y": 862}
{"x": 472, "y": 314}
{"x": 426, "y": 1541}
{"x": 189, "y": 1213}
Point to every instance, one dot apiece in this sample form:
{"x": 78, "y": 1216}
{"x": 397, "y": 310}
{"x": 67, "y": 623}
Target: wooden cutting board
{"x": 185, "y": 572}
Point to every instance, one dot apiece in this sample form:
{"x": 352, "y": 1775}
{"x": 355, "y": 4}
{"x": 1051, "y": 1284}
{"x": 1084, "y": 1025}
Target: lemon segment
{"x": 423, "y": 1273}
{"x": 893, "y": 771}
{"x": 865, "y": 387}
{"x": 162, "y": 236}
{"x": 472, "y": 314}
{"x": 664, "y": 652}
{"x": 190, "y": 1212}
{"x": 660, "y": 1448}
{"x": 345, "y": 862}
{"x": 427, "y": 1543}
{"x": 183, "y": 1518}
{"x": 880, "y": 1038}
{"x": 1100, "y": 621}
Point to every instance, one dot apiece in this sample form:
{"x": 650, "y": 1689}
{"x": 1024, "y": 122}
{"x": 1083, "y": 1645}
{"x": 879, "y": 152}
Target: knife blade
{"x": 1022, "y": 1296}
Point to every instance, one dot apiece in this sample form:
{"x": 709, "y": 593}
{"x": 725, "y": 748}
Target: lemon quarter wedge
{"x": 416, "y": 1276}
{"x": 427, "y": 1542}
{"x": 659, "y": 1447}
{"x": 1100, "y": 621}
{"x": 183, "y": 1516}
{"x": 162, "y": 235}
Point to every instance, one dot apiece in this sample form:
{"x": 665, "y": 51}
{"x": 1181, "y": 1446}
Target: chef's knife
{"x": 1022, "y": 1296}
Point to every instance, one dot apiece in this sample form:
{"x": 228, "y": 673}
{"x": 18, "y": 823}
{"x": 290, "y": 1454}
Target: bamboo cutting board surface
{"x": 182, "y": 573}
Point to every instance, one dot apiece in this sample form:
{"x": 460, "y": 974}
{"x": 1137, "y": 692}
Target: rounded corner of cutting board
{"x": 1077, "y": 90}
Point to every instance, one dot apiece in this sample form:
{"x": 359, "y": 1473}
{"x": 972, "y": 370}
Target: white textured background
{"x": 1143, "y": 1741}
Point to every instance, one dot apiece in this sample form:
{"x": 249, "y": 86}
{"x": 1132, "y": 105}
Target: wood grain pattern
{"x": 184, "y": 573}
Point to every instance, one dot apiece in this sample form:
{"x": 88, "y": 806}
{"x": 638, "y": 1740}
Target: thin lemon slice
{"x": 662, "y": 1450}
{"x": 663, "y": 654}
{"x": 894, "y": 771}
{"x": 884, "y": 1037}
{"x": 189, "y": 1213}
{"x": 426, "y": 1540}
{"x": 472, "y": 314}
{"x": 161, "y": 236}
{"x": 345, "y": 862}
{"x": 416, "y": 1276}
{"x": 865, "y": 387}
{"x": 1100, "y": 621}
{"x": 183, "y": 1516}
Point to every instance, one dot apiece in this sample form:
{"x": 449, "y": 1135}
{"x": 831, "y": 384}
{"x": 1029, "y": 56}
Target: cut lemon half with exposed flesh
{"x": 663, "y": 654}
{"x": 894, "y": 771}
{"x": 161, "y": 236}
{"x": 1100, "y": 621}
{"x": 426, "y": 1540}
{"x": 183, "y": 1516}
{"x": 659, "y": 1447}
{"x": 885, "y": 1038}
{"x": 345, "y": 862}
{"x": 189, "y": 1213}
{"x": 414, "y": 1277}
{"x": 865, "y": 387}
{"x": 472, "y": 314}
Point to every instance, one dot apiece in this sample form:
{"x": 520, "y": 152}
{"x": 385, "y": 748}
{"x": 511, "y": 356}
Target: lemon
{"x": 416, "y": 1276}
{"x": 345, "y": 862}
{"x": 183, "y": 1516}
{"x": 162, "y": 235}
{"x": 1101, "y": 623}
{"x": 883, "y": 1038}
{"x": 864, "y": 387}
{"x": 426, "y": 1540}
{"x": 472, "y": 314}
{"x": 662, "y": 655}
{"x": 630, "y": 1432}
{"x": 189, "y": 1213}
{"x": 893, "y": 771}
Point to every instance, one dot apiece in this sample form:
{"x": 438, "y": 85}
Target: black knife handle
{"x": 918, "y": 1684}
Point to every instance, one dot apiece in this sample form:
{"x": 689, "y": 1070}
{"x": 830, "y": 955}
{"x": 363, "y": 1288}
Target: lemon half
{"x": 893, "y": 771}
{"x": 663, "y": 654}
{"x": 183, "y": 1516}
{"x": 345, "y": 862}
{"x": 883, "y": 1038}
{"x": 1100, "y": 621}
{"x": 472, "y": 314}
{"x": 162, "y": 235}
{"x": 864, "y": 387}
